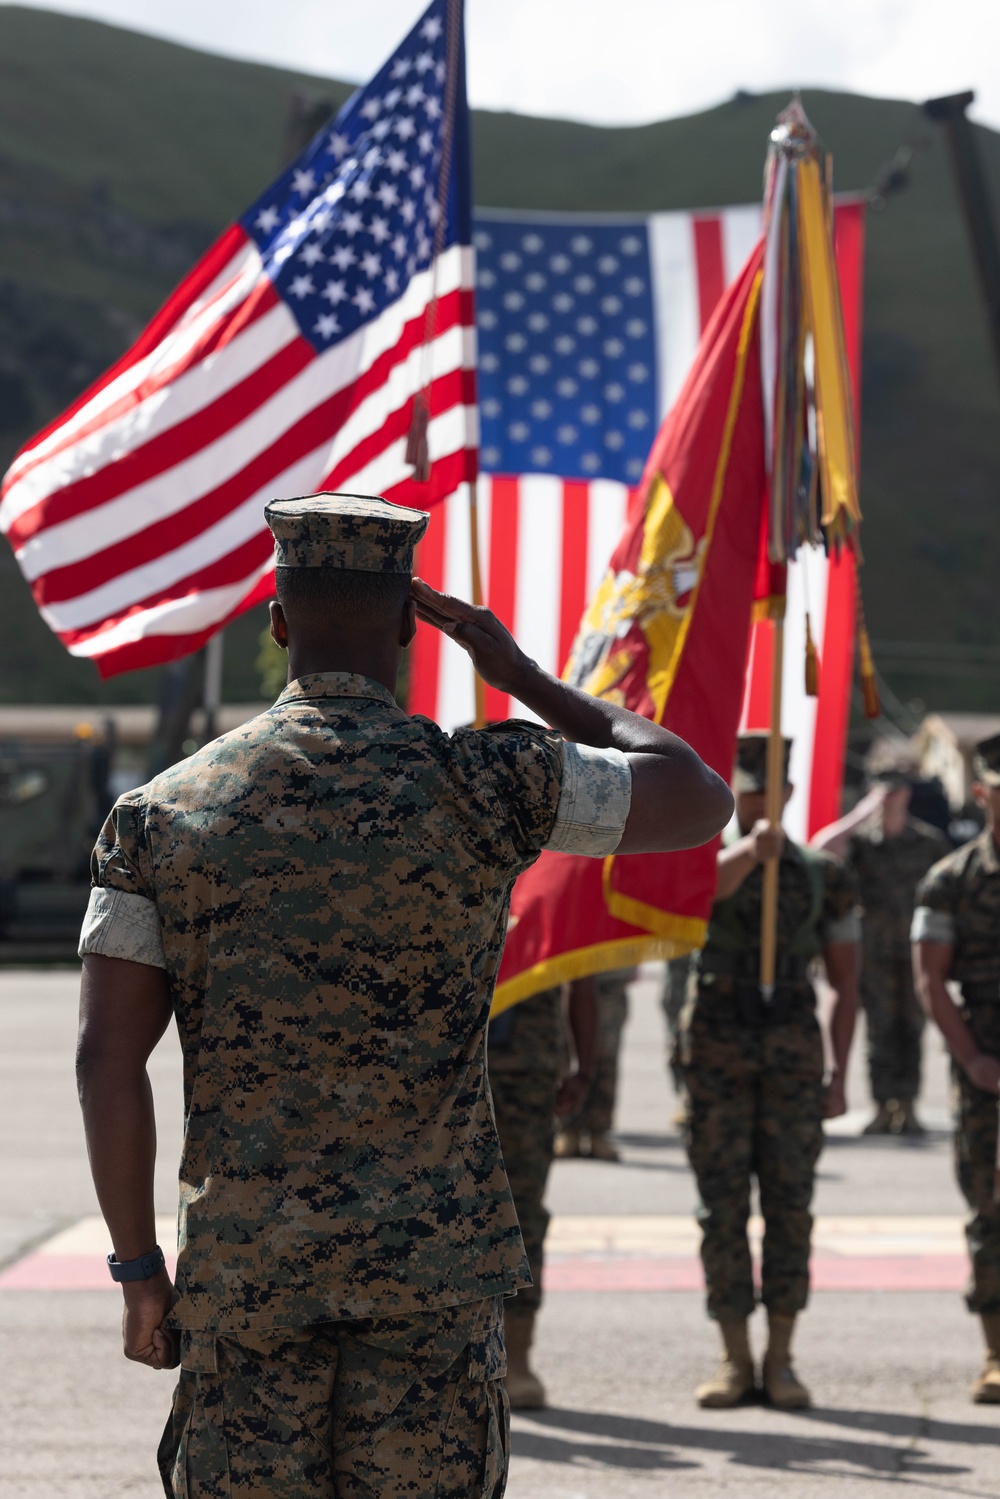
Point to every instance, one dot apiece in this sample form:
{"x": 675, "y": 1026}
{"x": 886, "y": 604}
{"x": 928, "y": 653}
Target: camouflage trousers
{"x": 673, "y": 998}
{"x": 612, "y": 1011}
{"x": 754, "y": 1109}
{"x": 524, "y": 1104}
{"x": 895, "y": 1024}
{"x": 975, "y": 1145}
{"x": 343, "y": 1410}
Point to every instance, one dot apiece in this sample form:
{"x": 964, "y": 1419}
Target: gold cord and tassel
{"x": 812, "y": 662}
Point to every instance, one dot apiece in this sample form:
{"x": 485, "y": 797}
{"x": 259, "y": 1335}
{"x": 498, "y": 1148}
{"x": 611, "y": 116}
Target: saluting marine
{"x": 753, "y": 1074}
{"x": 889, "y": 851}
{"x": 319, "y": 899}
{"x": 956, "y": 937}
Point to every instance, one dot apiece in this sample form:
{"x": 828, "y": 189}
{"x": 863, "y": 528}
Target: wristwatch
{"x": 144, "y": 1268}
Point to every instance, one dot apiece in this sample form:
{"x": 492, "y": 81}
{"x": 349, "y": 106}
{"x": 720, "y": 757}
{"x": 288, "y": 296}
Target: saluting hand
{"x": 144, "y": 1338}
{"x": 495, "y": 653}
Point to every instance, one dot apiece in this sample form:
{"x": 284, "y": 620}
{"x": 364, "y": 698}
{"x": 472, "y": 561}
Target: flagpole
{"x": 479, "y": 686}
{"x": 774, "y": 792}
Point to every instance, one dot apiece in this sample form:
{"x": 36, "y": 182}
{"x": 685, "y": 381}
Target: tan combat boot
{"x": 905, "y": 1121}
{"x": 733, "y": 1381}
{"x": 782, "y": 1387}
{"x": 882, "y": 1122}
{"x": 525, "y": 1391}
{"x": 566, "y": 1145}
{"x": 986, "y": 1390}
{"x": 601, "y": 1148}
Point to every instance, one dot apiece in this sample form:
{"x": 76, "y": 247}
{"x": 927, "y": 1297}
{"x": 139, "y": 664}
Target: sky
{"x": 615, "y": 61}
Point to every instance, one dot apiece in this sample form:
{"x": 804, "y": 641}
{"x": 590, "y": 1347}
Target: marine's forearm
{"x": 590, "y": 720}
{"x": 120, "y": 1128}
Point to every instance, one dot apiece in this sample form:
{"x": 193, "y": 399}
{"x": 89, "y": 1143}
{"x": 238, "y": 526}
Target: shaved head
{"x": 334, "y": 601}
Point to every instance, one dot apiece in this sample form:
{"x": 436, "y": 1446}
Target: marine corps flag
{"x": 666, "y": 635}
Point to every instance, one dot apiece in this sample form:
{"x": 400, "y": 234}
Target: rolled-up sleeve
{"x": 121, "y": 925}
{"x": 594, "y": 801}
{"x": 929, "y": 925}
{"x": 845, "y": 928}
{"x": 122, "y": 919}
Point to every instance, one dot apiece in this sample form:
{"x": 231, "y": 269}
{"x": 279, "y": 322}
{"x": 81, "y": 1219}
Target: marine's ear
{"x": 279, "y": 625}
{"x": 408, "y": 623}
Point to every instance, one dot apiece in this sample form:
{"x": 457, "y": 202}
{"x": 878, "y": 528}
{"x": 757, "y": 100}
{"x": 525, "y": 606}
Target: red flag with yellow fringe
{"x": 666, "y": 635}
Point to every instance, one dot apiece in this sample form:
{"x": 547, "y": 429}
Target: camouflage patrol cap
{"x": 892, "y": 764}
{"x": 352, "y": 532}
{"x": 986, "y": 761}
{"x": 751, "y": 762}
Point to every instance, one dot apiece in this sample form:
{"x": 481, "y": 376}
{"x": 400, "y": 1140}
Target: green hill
{"x": 121, "y": 156}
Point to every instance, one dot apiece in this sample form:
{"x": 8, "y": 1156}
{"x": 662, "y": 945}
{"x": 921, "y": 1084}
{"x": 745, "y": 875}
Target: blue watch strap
{"x": 144, "y": 1268}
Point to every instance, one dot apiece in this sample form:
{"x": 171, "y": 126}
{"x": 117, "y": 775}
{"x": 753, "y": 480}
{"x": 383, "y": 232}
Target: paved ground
{"x": 889, "y": 1370}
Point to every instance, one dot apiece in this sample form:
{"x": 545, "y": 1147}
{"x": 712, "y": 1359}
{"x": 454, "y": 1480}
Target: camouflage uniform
{"x": 958, "y": 902}
{"x": 327, "y": 888}
{"x": 676, "y": 972}
{"x": 526, "y": 1057}
{"x": 888, "y": 871}
{"x": 755, "y": 1084}
{"x": 611, "y": 993}
{"x": 343, "y": 1409}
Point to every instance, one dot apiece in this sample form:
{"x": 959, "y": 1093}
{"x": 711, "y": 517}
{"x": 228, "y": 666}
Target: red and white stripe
{"x": 816, "y": 726}
{"x": 137, "y": 517}
{"x": 545, "y": 542}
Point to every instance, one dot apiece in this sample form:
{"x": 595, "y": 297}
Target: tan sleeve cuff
{"x": 932, "y": 926}
{"x": 593, "y": 803}
{"x": 844, "y": 929}
{"x": 119, "y": 924}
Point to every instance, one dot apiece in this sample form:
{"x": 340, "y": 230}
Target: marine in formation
{"x": 318, "y": 900}
{"x": 889, "y": 852}
{"x": 753, "y": 1074}
{"x": 956, "y": 940}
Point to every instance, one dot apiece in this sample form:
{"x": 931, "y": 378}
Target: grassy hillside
{"x": 121, "y": 156}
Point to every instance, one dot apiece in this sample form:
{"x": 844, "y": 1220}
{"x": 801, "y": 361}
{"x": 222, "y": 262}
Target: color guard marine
{"x": 753, "y": 1074}
{"x": 956, "y": 938}
{"x": 319, "y": 899}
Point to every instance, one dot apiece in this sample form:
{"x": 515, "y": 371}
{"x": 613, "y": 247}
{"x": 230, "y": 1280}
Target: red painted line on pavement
{"x": 943, "y": 1272}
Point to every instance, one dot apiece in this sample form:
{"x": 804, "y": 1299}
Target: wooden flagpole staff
{"x": 773, "y": 797}
{"x": 477, "y": 598}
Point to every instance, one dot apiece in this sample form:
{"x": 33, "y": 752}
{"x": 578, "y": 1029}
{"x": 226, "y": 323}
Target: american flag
{"x": 587, "y": 328}
{"x": 286, "y": 362}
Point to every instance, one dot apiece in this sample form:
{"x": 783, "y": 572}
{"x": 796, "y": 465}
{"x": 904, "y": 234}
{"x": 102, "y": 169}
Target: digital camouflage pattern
{"x": 360, "y": 533}
{"x": 755, "y": 1090}
{"x": 673, "y": 997}
{"x": 963, "y": 892}
{"x": 526, "y": 1057}
{"x": 333, "y": 882}
{"x": 888, "y": 871}
{"x": 364, "y": 1410}
{"x": 611, "y": 993}
{"x": 975, "y": 1147}
{"x": 754, "y": 1108}
{"x": 735, "y": 923}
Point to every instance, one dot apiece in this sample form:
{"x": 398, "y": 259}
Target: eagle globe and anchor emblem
{"x": 629, "y": 638}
